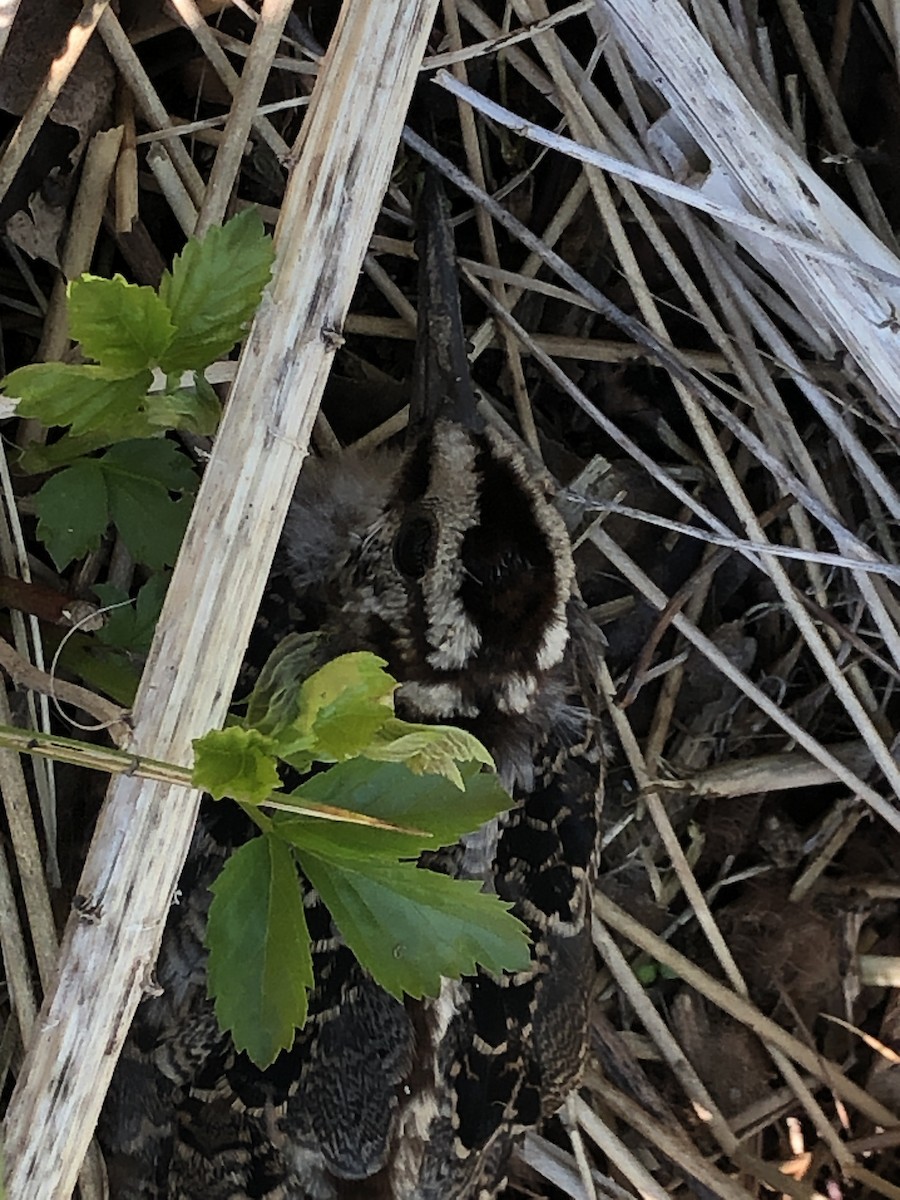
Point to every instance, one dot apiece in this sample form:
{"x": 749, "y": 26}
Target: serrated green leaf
{"x": 275, "y": 700}
{"x": 153, "y": 458}
{"x": 38, "y": 458}
{"x": 392, "y": 793}
{"x": 151, "y": 524}
{"x": 235, "y": 762}
{"x": 214, "y": 289}
{"x": 427, "y": 749}
{"x": 127, "y": 427}
{"x": 90, "y": 399}
{"x": 132, "y": 625}
{"x": 342, "y": 707}
{"x": 139, "y": 477}
{"x": 194, "y": 409}
{"x": 260, "y": 967}
{"x": 73, "y": 512}
{"x": 408, "y": 927}
{"x": 124, "y": 327}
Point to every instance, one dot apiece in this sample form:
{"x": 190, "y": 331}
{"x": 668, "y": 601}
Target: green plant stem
{"x": 97, "y": 758}
{"x": 120, "y": 762}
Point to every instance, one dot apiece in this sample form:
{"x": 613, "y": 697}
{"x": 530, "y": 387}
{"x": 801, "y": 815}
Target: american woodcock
{"x": 450, "y": 561}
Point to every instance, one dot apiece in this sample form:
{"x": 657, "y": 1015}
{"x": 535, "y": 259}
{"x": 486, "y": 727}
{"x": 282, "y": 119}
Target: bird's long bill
{"x": 442, "y": 386}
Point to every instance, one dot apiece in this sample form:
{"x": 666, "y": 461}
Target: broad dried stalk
{"x": 755, "y": 168}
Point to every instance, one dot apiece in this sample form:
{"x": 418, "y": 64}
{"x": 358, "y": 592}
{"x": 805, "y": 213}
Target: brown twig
{"x": 110, "y": 716}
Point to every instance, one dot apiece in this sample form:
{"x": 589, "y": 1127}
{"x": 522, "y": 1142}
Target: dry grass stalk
{"x": 47, "y": 95}
{"x": 190, "y": 14}
{"x": 99, "y": 164}
{"x": 757, "y": 163}
{"x": 148, "y": 102}
{"x": 243, "y": 112}
{"x": 828, "y": 1072}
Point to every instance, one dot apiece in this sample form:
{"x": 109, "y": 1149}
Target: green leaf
{"x": 110, "y": 671}
{"x": 427, "y": 749}
{"x": 73, "y": 512}
{"x": 342, "y": 707}
{"x": 153, "y": 458}
{"x": 38, "y": 458}
{"x": 392, "y": 793}
{"x": 408, "y": 927}
{"x": 139, "y": 477}
{"x": 152, "y": 526}
{"x": 124, "y": 327}
{"x": 131, "y": 626}
{"x": 235, "y": 762}
{"x": 195, "y": 409}
{"x": 647, "y": 973}
{"x": 274, "y": 702}
{"x": 129, "y": 485}
{"x": 214, "y": 289}
{"x": 87, "y": 398}
{"x": 260, "y": 967}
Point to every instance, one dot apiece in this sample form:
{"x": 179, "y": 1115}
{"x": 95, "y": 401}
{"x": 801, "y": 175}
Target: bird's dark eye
{"x": 413, "y": 547}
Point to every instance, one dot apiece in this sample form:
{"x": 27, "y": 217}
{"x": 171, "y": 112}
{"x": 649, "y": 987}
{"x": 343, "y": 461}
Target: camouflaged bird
{"x": 450, "y": 561}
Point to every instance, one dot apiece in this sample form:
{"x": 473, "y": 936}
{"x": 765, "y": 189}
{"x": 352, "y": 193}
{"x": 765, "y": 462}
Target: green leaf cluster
{"x": 200, "y": 311}
{"x": 130, "y": 485}
{"x": 356, "y": 830}
{"x": 131, "y": 625}
{"x": 111, "y": 659}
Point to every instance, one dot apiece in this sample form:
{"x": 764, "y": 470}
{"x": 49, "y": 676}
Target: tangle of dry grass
{"x": 687, "y": 302}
